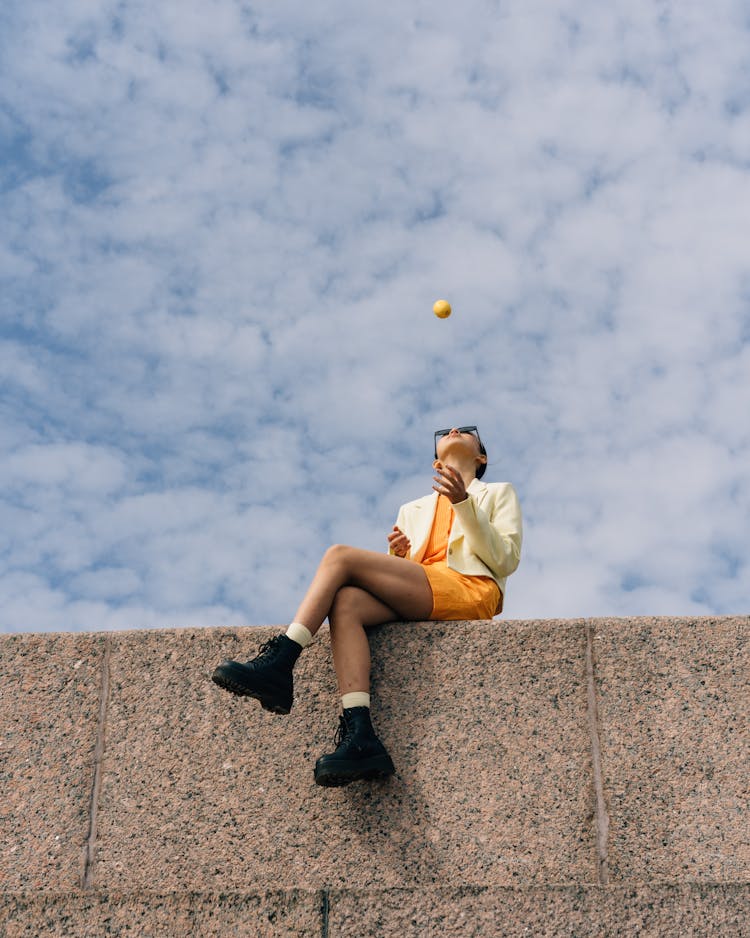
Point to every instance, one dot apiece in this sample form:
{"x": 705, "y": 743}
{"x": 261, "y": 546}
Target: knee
{"x": 337, "y": 554}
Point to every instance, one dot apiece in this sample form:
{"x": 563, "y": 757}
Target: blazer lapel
{"x": 478, "y": 491}
{"x": 422, "y": 516}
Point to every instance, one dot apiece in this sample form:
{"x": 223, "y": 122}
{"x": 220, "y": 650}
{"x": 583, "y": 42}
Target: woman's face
{"x": 463, "y": 442}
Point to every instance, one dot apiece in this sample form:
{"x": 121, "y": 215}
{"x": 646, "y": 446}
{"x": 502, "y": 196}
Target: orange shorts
{"x": 457, "y": 596}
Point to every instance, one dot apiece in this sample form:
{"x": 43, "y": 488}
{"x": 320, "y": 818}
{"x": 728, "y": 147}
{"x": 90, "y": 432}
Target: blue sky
{"x": 223, "y": 229}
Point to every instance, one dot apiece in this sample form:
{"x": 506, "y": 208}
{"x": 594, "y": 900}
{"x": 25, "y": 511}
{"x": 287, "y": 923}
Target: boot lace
{"x": 342, "y": 732}
{"x": 268, "y": 649}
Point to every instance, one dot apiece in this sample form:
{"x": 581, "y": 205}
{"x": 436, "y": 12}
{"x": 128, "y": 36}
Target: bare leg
{"x": 353, "y": 610}
{"x": 400, "y": 584}
{"x": 359, "y": 754}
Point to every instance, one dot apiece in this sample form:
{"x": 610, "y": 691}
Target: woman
{"x": 449, "y": 556}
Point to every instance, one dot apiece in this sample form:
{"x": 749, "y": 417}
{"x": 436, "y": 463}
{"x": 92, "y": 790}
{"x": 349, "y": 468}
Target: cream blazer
{"x": 486, "y": 534}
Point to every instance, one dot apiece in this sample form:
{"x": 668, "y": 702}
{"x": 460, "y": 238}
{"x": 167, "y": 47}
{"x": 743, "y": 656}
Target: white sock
{"x": 300, "y": 634}
{"x": 357, "y": 698}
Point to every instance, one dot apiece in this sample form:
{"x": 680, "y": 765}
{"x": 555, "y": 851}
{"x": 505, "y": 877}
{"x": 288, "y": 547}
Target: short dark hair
{"x": 482, "y": 467}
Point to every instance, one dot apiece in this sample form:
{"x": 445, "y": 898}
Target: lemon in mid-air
{"x": 442, "y": 309}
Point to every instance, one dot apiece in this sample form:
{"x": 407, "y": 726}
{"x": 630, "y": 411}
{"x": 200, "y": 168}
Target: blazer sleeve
{"x": 495, "y": 534}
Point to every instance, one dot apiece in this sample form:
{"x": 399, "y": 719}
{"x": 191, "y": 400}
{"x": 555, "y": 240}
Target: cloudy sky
{"x": 223, "y": 229}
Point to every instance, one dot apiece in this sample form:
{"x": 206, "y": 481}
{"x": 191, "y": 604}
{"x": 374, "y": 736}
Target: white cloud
{"x": 223, "y": 233}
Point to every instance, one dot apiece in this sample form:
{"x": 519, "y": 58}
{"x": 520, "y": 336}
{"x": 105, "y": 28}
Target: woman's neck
{"x": 467, "y": 470}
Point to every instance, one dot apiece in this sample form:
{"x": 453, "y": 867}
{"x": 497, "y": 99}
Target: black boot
{"x": 359, "y": 753}
{"x": 267, "y": 678}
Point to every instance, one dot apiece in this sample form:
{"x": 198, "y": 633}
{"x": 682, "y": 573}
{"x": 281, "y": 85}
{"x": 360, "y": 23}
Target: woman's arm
{"x": 495, "y": 537}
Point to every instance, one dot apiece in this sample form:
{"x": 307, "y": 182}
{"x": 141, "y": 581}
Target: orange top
{"x": 455, "y": 595}
{"x": 437, "y": 545}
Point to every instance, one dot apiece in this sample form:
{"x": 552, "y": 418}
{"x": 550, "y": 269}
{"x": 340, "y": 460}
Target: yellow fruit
{"x": 442, "y": 309}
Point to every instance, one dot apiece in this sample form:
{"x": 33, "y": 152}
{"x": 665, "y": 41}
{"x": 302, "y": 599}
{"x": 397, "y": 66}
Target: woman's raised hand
{"x": 449, "y": 483}
{"x": 398, "y": 542}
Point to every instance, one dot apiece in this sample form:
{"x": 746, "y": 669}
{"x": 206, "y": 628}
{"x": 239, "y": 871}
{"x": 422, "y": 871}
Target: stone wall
{"x": 573, "y": 777}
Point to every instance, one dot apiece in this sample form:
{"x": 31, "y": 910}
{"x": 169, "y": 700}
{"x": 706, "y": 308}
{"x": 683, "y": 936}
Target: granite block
{"x": 583, "y": 911}
{"x": 49, "y": 710}
{"x": 673, "y": 708}
{"x": 279, "y": 914}
{"x": 486, "y": 723}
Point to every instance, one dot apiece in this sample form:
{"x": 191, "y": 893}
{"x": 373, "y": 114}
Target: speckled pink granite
{"x": 290, "y": 913}
{"x": 649, "y": 911}
{"x": 664, "y": 911}
{"x": 674, "y": 711}
{"x": 534, "y": 760}
{"x": 49, "y": 705}
{"x": 486, "y": 726}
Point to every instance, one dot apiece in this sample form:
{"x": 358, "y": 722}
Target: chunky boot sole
{"x": 231, "y": 677}
{"x": 334, "y": 774}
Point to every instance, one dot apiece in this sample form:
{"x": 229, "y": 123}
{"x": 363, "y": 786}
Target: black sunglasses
{"x": 441, "y": 433}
